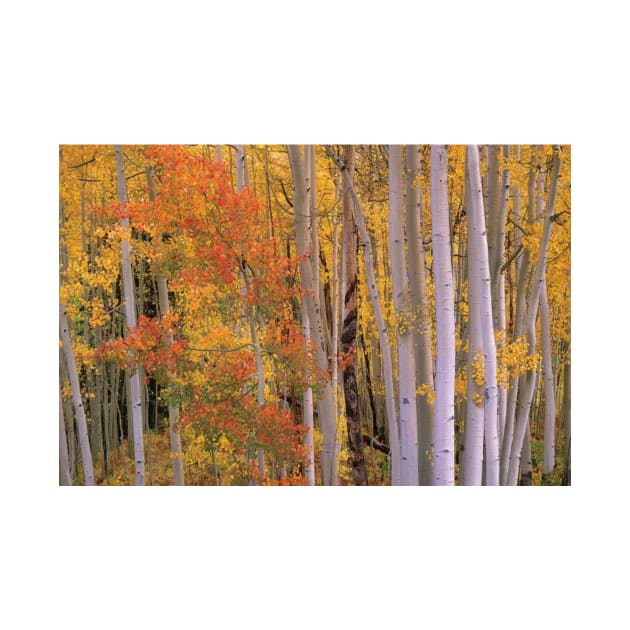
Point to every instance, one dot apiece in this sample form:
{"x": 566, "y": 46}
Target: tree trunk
{"x": 530, "y": 325}
{"x": 485, "y": 318}
{"x": 471, "y": 465}
{"x": 64, "y": 466}
{"x": 82, "y": 428}
{"x": 381, "y": 327}
{"x": 242, "y": 181}
{"x": 349, "y": 331}
{"x": 173, "y": 410}
{"x": 444, "y": 467}
{"x": 420, "y": 308}
{"x": 523, "y": 271}
{"x": 325, "y": 403}
{"x": 404, "y": 326}
{"x": 550, "y": 394}
{"x": 307, "y": 404}
{"x": 130, "y": 317}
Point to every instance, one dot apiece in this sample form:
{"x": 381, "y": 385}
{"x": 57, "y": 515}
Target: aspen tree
{"x": 381, "y": 327}
{"x": 173, "y": 410}
{"x": 526, "y": 390}
{"x": 404, "y": 327}
{"x": 420, "y": 308}
{"x": 485, "y": 319}
{"x": 307, "y": 403}
{"x": 498, "y": 276}
{"x": 77, "y": 401}
{"x": 325, "y": 403}
{"x": 549, "y": 448}
{"x": 349, "y": 330}
{"x": 444, "y": 466}
{"x": 130, "y": 317}
{"x": 64, "y": 466}
{"x": 472, "y": 463}
{"x": 523, "y": 273}
{"x": 242, "y": 181}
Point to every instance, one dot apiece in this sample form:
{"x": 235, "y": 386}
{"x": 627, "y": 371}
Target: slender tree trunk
{"x": 550, "y": 394}
{"x": 526, "y": 458}
{"x": 498, "y": 275}
{"x": 485, "y": 318}
{"x": 130, "y": 317}
{"x": 523, "y": 271}
{"x": 82, "y": 428}
{"x": 381, "y": 327}
{"x": 325, "y": 403}
{"x": 566, "y": 422}
{"x": 527, "y": 391}
{"x": 64, "y": 466}
{"x": 472, "y": 464}
{"x": 307, "y": 404}
{"x": 242, "y": 181}
{"x": 420, "y": 308}
{"x": 444, "y": 467}
{"x": 409, "y": 473}
{"x": 173, "y": 410}
{"x": 349, "y": 331}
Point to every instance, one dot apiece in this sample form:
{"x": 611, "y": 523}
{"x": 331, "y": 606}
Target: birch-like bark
{"x": 566, "y": 423}
{"x": 77, "y": 401}
{"x": 472, "y": 462}
{"x": 409, "y": 473}
{"x": 325, "y": 403}
{"x": 549, "y": 453}
{"x": 336, "y": 300}
{"x": 130, "y": 317}
{"x": 444, "y": 466}
{"x": 498, "y": 288}
{"x": 527, "y": 389}
{"x": 492, "y": 206}
{"x": 307, "y": 403}
{"x": 420, "y": 309}
{"x": 485, "y": 319}
{"x": 242, "y": 181}
{"x": 349, "y": 331}
{"x": 64, "y": 462}
{"x": 381, "y": 327}
{"x": 173, "y": 410}
{"x": 523, "y": 271}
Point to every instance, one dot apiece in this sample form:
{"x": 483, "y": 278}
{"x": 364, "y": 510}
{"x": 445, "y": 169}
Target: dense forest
{"x": 314, "y": 315}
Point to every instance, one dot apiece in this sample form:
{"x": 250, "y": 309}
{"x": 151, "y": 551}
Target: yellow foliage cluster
{"x": 477, "y": 367}
{"x": 514, "y": 359}
{"x": 427, "y": 391}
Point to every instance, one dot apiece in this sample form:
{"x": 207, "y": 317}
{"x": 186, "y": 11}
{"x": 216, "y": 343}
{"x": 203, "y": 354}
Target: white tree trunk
{"x": 77, "y": 401}
{"x": 523, "y": 272}
{"x": 64, "y": 463}
{"x": 307, "y": 402}
{"x": 527, "y": 390}
{"x": 472, "y": 464}
{"x": 485, "y": 318}
{"x": 381, "y": 327}
{"x": 498, "y": 295}
{"x": 242, "y": 181}
{"x": 173, "y": 410}
{"x": 130, "y": 317}
{"x": 404, "y": 325}
{"x": 549, "y": 388}
{"x": 325, "y": 403}
{"x": 420, "y": 308}
{"x": 444, "y": 467}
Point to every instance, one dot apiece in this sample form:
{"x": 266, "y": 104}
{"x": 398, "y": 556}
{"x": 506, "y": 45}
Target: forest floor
{"x": 200, "y": 471}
